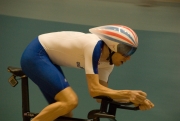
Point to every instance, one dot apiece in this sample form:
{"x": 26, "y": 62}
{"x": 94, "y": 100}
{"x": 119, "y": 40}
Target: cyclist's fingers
{"x": 143, "y": 107}
{"x": 138, "y": 99}
{"x": 142, "y": 93}
{"x": 149, "y": 103}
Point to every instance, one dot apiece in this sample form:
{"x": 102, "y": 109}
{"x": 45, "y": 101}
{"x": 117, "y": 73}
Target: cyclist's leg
{"x": 65, "y": 103}
{"x": 70, "y": 114}
{"x": 51, "y": 99}
{"x": 39, "y": 68}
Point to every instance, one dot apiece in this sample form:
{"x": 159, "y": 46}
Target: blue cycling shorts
{"x": 37, "y": 65}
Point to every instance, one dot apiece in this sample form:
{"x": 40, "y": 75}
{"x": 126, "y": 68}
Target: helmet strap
{"x": 110, "y": 56}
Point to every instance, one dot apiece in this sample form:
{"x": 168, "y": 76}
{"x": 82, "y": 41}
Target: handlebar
{"x": 122, "y": 105}
{"x": 108, "y": 108}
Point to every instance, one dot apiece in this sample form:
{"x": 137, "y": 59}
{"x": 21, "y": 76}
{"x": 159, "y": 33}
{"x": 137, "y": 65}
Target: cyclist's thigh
{"x": 67, "y": 95}
{"x": 38, "y": 67}
{"x": 62, "y": 85}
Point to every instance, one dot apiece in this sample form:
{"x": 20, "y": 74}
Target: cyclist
{"x": 96, "y": 52}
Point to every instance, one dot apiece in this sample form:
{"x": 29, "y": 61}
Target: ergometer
{"x": 107, "y": 108}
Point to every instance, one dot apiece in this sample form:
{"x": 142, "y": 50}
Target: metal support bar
{"x": 112, "y": 109}
{"x": 104, "y": 106}
{"x": 25, "y": 98}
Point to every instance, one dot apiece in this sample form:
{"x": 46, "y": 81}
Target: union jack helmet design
{"x": 118, "y": 38}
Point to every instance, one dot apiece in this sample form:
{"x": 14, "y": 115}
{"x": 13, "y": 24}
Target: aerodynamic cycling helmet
{"x": 118, "y": 38}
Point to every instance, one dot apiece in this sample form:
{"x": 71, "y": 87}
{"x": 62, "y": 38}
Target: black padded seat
{"x": 16, "y": 71}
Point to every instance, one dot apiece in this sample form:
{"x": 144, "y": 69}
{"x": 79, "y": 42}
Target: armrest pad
{"x": 104, "y": 98}
{"x": 112, "y": 101}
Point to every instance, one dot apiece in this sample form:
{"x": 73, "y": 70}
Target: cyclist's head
{"x": 118, "y": 38}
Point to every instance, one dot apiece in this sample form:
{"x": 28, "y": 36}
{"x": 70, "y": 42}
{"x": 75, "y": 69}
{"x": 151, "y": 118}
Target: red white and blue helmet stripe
{"x": 117, "y": 35}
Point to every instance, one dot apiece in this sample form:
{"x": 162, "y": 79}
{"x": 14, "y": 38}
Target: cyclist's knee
{"x": 68, "y": 97}
{"x": 74, "y": 102}
{"x": 71, "y": 104}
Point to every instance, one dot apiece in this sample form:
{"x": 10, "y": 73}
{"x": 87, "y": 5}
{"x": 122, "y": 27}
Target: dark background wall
{"x": 154, "y": 68}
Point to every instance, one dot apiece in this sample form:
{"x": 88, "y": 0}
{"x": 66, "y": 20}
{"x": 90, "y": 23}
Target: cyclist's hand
{"x": 146, "y": 105}
{"x": 137, "y": 96}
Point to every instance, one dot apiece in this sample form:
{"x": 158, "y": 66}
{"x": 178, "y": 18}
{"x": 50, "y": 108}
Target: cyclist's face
{"x": 118, "y": 59}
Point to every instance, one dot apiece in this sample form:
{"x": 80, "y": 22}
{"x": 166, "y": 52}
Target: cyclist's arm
{"x": 104, "y": 83}
{"x": 96, "y": 89}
